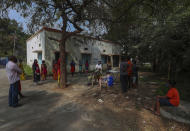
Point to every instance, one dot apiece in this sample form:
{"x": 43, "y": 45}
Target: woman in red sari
{"x": 58, "y": 71}
{"x": 54, "y": 70}
{"x": 72, "y": 67}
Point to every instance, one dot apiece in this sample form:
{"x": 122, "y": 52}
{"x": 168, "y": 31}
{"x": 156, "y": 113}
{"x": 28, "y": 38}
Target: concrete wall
{"x": 35, "y": 45}
{"x": 75, "y": 47}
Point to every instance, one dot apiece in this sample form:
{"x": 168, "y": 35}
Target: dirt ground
{"x": 81, "y": 108}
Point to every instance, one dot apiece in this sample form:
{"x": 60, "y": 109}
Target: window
{"x": 39, "y": 45}
{"x": 86, "y": 57}
{"x": 32, "y": 47}
{"x": 104, "y": 59}
{"x": 85, "y": 48}
{"x": 116, "y": 61}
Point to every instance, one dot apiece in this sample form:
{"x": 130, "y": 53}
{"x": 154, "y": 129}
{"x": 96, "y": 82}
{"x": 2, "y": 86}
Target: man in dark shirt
{"x": 123, "y": 74}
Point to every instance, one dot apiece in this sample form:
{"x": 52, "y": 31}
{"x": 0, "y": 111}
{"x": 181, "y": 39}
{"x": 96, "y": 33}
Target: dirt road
{"x": 79, "y": 108}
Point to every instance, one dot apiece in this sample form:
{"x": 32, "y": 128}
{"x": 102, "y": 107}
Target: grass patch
{"x": 27, "y": 70}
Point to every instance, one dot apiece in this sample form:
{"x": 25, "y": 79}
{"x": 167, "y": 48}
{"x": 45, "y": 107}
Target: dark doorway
{"x": 115, "y": 60}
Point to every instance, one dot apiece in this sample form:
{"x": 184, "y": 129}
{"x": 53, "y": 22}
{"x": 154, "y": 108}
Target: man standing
{"x": 13, "y": 72}
{"x": 129, "y": 71}
{"x": 123, "y": 75}
{"x": 99, "y": 66}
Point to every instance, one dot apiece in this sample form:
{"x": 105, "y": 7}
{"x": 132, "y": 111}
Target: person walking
{"x": 123, "y": 75}
{"x": 36, "y": 71}
{"x": 13, "y": 72}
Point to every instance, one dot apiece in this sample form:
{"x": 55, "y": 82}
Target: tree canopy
{"x": 10, "y": 30}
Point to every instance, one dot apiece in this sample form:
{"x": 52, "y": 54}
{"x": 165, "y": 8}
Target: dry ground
{"x": 79, "y": 108}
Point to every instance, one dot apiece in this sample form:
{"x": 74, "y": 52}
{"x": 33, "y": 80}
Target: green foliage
{"x": 27, "y": 70}
{"x": 162, "y": 90}
{"x": 8, "y": 30}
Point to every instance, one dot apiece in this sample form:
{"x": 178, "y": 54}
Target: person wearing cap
{"x": 170, "y": 99}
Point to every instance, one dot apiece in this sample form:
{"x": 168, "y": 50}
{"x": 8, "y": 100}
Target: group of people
{"x": 128, "y": 79}
{"x": 128, "y": 74}
{"x": 37, "y": 73}
{"x": 56, "y": 68}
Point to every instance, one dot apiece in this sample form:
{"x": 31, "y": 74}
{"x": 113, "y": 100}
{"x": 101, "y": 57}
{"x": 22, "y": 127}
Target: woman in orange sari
{"x": 54, "y": 70}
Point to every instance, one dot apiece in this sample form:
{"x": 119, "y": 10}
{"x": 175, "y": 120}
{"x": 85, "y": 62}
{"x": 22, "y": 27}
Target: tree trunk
{"x": 63, "y": 52}
{"x": 62, "y": 64}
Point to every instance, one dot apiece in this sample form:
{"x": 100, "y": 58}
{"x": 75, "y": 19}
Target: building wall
{"x": 35, "y": 45}
{"x": 75, "y": 47}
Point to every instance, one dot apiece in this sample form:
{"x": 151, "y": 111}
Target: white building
{"x": 78, "y": 47}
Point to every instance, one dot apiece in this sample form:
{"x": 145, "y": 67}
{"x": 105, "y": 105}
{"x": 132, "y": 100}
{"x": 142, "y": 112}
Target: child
{"x": 22, "y": 76}
{"x": 43, "y": 70}
{"x": 107, "y": 81}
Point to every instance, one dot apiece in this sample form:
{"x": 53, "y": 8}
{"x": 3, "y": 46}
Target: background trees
{"x": 76, "y": 14}
{"x": 155, "y": 32}
{"x": 10, "y": 30}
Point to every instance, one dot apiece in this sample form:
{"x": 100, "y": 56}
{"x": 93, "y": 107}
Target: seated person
{"x": 107, "y": 81}
{"x": 171, "y": 98}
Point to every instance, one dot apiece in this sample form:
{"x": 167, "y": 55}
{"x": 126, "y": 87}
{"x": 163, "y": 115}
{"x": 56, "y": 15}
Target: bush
{"x": 27, "y": 70}
{"x": 162, "y": 91}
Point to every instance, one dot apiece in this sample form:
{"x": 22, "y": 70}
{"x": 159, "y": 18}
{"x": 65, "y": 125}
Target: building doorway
{"x": 40, "y": 58}
{"x": 86, "y": 57}
{"x": 116, "y": 60}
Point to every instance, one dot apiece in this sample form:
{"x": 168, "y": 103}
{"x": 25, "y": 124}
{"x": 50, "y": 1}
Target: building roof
{"x": 59, "y": 31}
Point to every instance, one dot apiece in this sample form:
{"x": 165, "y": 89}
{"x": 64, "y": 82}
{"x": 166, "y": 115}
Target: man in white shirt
{"x": 99, "y": 66}
{"x": 13, "y": 72}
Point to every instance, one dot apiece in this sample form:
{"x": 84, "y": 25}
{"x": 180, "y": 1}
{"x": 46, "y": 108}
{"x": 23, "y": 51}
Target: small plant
{"x": 27, "y": 70}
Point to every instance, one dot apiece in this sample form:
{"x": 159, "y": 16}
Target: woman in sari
{"x": 54, "y": 70}
{"x": 36, "y": 71}
{"x": 43, "y": 70}
{"x": 72, "y": 67}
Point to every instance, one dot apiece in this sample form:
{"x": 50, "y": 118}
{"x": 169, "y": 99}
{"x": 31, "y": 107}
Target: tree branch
{"x": 51, "y": 38}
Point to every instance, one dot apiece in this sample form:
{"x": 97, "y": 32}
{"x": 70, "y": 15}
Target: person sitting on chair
{"x": 106, "y": 81}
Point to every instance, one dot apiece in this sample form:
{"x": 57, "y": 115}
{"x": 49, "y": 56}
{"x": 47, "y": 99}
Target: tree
{"x": 78, "y": 13}
{"x": 10, "y": 29}
{"x": 155, "y": 31}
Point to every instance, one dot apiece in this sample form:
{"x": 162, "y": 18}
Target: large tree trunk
{"x": 63, "y": 64}
{"x": 63, "y": 52}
